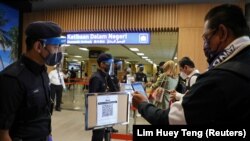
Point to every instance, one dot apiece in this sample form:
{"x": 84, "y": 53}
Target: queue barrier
{"x": 128, "y": 137}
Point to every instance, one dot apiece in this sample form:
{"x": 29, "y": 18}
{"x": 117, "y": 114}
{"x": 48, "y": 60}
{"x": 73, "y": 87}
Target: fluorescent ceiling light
{"x": 134, "y": 49}
{"x": 65, "y": 53}
{"x": 75, "y": 60}
{"x": 65, "y": 45}
{"x": 84, "y": 49}
{"x": 77, "y": 56}
{"x": 140, "y": 54}
{"x": 144, "y": 57}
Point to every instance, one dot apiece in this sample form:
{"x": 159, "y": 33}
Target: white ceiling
{"x": 163, "y": 46}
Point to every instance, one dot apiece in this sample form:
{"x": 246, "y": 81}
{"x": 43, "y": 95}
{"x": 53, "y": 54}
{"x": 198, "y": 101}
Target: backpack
{"x": 181, "y": 85}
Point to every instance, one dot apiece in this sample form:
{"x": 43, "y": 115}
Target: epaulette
{"x": 14, "y": 69}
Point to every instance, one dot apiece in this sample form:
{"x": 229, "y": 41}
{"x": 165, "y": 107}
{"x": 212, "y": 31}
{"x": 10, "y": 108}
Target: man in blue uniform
{"x": 24, "y": 86}
{"x": 220, "y": 95}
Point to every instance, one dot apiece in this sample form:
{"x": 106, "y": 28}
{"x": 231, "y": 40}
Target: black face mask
{"x": 53, "y": 59}
{"x": 161, "y": 70}
{"x": 211, "y": 55}
{"x": 141, "y": 69}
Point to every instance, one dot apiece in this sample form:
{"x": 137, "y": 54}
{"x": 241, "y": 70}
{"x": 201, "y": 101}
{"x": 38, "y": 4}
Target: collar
{"x": 32, "y": 65}
{"x": 102, "y": 73}
{"x": 231, "y": 50}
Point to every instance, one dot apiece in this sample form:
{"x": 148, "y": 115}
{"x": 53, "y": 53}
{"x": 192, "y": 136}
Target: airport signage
{"x": 134, "y": 38}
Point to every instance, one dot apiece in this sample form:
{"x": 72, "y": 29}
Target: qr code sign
{"x": 107, "y": 110}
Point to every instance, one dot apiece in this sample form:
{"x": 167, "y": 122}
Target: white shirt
{"x": 192, "y": 80}
{"x": 54, "y": 78}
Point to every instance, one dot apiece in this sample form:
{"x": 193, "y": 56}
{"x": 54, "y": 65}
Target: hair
{"x": 231, "y": 16}
{"x": 170, "y": 68}
{"x": 161, "y": 63}
{"x": 186, "y": 61}
{"x": 29, "y": 43}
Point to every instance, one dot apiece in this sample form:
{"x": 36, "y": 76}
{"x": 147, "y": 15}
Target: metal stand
{"x": 107, "y": 134}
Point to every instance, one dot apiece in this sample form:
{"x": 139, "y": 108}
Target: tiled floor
{"x": 68, "y": 125}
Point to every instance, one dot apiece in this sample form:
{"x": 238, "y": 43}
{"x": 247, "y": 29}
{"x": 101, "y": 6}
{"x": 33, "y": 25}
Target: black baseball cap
{"x": 104, "y": 57}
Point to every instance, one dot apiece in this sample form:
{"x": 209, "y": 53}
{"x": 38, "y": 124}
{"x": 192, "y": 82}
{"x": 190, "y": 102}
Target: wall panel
{"x": 113, "y": 18}
{"x": 191, "y": 44}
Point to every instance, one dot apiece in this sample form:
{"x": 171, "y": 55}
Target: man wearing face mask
{"x": 24, "y": 86}
{"x": 100, "y": 82}
{"x": 189, "y": 73}
{"x": 220, "y": 96}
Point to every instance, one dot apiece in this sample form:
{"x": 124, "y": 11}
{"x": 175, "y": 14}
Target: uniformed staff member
{"x": 101, "y": 81}
{"x": 140, "y": 76}
{"x": 24, "y": 86}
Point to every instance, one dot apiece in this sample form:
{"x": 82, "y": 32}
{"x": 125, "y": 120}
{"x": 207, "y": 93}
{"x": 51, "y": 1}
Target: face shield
{"x": 53, "y": 46}
{"x": 117, "y": 66}
{"x": 109, "y": 66}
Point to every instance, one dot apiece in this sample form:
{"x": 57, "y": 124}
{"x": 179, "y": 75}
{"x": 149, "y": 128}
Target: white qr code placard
{"x": 107, "y": 106}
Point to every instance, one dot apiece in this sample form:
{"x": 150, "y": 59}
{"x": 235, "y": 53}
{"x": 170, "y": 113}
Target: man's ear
{"x": 38, "y": 46}
{"x": 223, "y": 32}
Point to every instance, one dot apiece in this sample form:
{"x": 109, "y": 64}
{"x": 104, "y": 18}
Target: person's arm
{"x": 94, "y": 85}
{"x": 148, "y": 111}
{"x": 158, "y": 82}
{"x": 10, "y": 101}
{"x": 4, "y": 135}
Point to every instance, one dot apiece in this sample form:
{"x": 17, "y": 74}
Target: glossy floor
{"x": 68, "y": 125}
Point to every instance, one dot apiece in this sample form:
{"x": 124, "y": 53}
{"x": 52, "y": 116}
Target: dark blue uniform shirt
{"x": 25, "y": 100}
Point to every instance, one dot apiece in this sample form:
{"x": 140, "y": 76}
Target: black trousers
{"x": 56, "y": 91}
{"x": 100, "y": 134}
{"x": 40, "y": 139}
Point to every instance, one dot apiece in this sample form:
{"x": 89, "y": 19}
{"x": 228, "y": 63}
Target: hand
{"x": 172, "y": 94}
{"x": 138, "y": 98}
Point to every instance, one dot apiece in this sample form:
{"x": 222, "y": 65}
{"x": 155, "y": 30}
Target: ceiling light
{"x": 84, "y": 49}
{"x": 77, "y": 56}
{"x": 134, "y": 49}
{"x": 140, "y": 54}
{"x": 65, "y": 53}
{"x": 65, "y": 45}
{"x": 75, "y": 60}
{"x": 144, "y": 57}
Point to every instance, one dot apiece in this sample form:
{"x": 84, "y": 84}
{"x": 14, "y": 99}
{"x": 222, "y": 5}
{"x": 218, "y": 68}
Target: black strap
{"x": 59, "y": 77}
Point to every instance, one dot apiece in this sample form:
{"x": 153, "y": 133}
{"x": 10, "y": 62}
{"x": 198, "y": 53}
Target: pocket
{"x": 36, "y": 97}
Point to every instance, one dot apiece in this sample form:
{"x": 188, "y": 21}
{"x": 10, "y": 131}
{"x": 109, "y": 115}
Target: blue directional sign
{"x": 109, "y": 38}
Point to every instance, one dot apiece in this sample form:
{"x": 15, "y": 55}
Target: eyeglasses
{"x": 211, "y": 33}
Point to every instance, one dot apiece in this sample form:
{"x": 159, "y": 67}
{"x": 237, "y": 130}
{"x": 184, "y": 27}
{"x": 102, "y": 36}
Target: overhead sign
{"x": 108, "y": 38}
